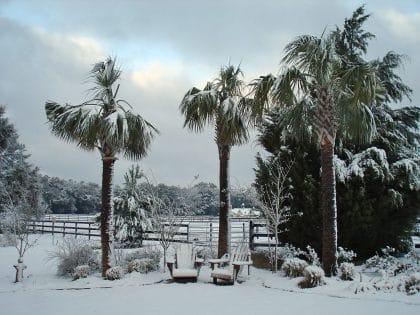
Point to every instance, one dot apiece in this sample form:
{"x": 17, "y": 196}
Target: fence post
{"x": 42, "y": 227}
{"x": 251, "y": 235}
{"x": 64, "y": 228}
{"x": 211, "y": 233}
{"x": 75, "y": 232}
{"x": 188, "y": 232}
{"x": 89, "y": 231}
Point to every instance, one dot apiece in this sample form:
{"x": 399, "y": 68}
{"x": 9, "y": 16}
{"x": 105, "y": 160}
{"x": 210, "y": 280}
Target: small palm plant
{"x": 107, "y": 124}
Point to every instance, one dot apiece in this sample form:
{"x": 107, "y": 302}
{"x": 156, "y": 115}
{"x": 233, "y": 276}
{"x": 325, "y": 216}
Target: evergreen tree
{"x": 18, "y": 178}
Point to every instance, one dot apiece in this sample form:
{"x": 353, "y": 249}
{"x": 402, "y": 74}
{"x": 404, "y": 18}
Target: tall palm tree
{"x": 223, "y": 105}
{"x": 339, "y": 90}
{"x": 107, "y": 124}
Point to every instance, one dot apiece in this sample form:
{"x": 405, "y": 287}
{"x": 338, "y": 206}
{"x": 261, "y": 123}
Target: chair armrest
{"x": 242, "y": 263}
{"x": 170, "y": 265}
{"x": 198, "y": 263}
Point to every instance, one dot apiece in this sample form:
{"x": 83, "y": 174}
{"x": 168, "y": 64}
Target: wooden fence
{"x": 202, "y": 231}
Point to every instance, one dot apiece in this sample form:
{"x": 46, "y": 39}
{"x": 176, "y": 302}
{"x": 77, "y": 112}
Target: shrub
{"x": 81, "y": 272}
{"x": 412, "y": 284}
{"x": 151, "y": 254}
{"x": 114, "y": 273}
{"x": 293, "y": 267}
{"x": 143, "y": 265}
{"x": 347, "y": 271}
{"x": 72, "y": 253}
{"x": 313, "y": 277}
{"x": 385, "y": 262}
{"x": 6, "y": 240}
{"x": 312, "y": 256}
{"x": 345, "y": 255}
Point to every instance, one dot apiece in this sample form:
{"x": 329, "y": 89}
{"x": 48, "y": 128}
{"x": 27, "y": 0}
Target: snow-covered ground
{"x": 42, "y": 292}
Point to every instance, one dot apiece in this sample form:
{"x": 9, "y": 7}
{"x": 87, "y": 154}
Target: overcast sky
{"x": 164, "y": 49}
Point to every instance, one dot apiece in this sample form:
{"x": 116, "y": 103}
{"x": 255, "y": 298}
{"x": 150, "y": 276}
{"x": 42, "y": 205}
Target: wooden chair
{"x": 240, "y": 257}
{"x": 186, "y": 266}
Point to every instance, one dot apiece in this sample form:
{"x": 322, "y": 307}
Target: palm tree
{"x": 223, "y": 105}
{"x": 107, "y": 124}
{"x": 338, "y": 88}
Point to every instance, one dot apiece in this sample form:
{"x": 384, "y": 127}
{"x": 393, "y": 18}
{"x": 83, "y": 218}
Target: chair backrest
{"x": 241, "y": 253}
{"x": 184, "y": 256}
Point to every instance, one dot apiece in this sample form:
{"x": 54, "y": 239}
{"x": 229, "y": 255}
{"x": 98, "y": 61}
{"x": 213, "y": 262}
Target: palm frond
{"x": 357, "y": 123}
{"x": 231, "y": 125}
{"x": 74, "y": 124}
{"x": 199, "y": 108}
{"x": 289, "y": 85}
{"x": 137, "y": 136}
{"x": 261, "y": 91}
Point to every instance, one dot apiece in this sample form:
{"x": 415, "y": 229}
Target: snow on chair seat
{"x": 185, "y": 273}
{"x": 241, "y": 257}
{"x": 186, "y": 267}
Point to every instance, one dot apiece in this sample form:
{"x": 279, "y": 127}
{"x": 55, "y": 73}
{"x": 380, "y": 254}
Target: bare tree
{"x": 273, "y": 202}
{"x": 15, "y": 224}
{"x": 167, "y": 216}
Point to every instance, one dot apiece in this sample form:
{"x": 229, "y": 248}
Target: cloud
{"x": 158, "y": 75}
{"x": 406, "y": 26}
{"x": 164, "y": 48}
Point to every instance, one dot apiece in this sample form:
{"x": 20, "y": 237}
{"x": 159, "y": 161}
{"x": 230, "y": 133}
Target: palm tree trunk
{"x": 329, "y": 215}
{"x": 224, "y": 210}
{"x": 106, "y": 212}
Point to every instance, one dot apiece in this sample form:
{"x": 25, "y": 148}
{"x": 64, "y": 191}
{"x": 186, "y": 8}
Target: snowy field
{"x": 42, "y": 292}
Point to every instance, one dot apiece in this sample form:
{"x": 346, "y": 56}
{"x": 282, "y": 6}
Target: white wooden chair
{"x": 186, "y": 266}
{"x": 241, "y": 257}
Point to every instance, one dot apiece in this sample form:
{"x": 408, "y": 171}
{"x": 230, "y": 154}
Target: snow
{"x": 372, "y": 158}
{"x": 42, "y": 292}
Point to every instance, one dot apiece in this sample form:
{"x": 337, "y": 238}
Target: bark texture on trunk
{"x": 224, "y": 209}
{"x": 106, "y": 213}
{"x": 329, "y": 206}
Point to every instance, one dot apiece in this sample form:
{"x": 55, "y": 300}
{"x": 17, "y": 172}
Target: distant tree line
{"x": 74, "y": 197}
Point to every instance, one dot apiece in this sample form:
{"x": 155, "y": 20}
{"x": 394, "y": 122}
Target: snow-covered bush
{"x": 313, "y": 277}
{"x": 6, "y": 241}
{"x": 206, "y": 252}
{"x": 143, "y": 265}
{"x": 293, "y": 267}
{"x": 149, "y": 254}
{"x": 385, "y": 262}
{"x": 289, "y": 251}
{"x": 312, "y": 256}
{"x": 347, "y": 271}
{"x": 71, "y": 253}
{"x": 81, "y": 272}
{"x": 412, "y": 284}
{"x": 114, "y": 273}
{"x": 345, "y": 255}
